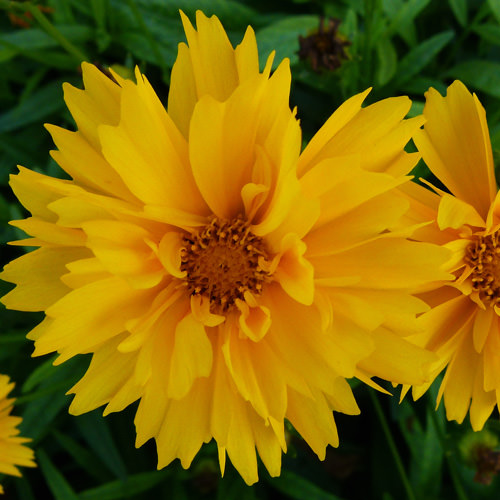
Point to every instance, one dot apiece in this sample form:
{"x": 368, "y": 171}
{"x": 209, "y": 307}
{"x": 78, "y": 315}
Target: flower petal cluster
{"x": 13, "y": 451}
{"x": 215, "y": 273}
{"x": 463, "y": 326}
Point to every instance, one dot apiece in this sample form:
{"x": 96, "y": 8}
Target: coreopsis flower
{"x": 215, "y": 274}
{"x": 463, "y": 326}
{"x": 13, "y": 451}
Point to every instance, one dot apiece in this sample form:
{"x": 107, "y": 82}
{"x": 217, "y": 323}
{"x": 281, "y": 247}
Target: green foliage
{"x": 397, "y": 47}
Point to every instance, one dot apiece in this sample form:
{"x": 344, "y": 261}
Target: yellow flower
{"x": 215, "y": 274}
{"x": 463, "y": 327}
{"x": 13, "y": 452}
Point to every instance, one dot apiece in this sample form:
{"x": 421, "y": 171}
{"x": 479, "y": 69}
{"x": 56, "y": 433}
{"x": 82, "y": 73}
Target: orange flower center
{"x": 223, "y": 261}
{"x": 483, "y": 255}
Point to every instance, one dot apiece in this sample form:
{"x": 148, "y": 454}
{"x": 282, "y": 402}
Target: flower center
{"x": 223, "y": 261}
{"x": 483, "y": 255}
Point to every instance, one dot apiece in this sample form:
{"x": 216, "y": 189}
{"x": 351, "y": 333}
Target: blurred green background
{"x": 390, "y": 451}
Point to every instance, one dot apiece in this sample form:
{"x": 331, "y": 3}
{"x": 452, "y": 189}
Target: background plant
{"x": 398, "y": 47}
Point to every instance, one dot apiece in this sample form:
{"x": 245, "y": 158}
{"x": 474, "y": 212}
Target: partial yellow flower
{"x": 217, "y": 275}
{"x": 463, "y": 327}
{"x": 13, "y": 451}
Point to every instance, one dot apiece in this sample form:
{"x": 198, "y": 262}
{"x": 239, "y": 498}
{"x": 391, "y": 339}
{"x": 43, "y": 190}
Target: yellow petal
{"x": 458, "y": 382}
{"x": 483, "y": 402}
{"x": 99, "y": 103}
{"x": 314, "y": 420}
{"x": 148, "y": 152}
{"x": 397, "y": 360}
{"x": 85, "y": 164}
{"x": 454, "y": 213}
{"x": 254, "y": 319}
{"x": 50, "y": 233}
{"x": 191, "y": 357}
{"x": 482, "y": 325}
{"x": 342, "y": 116}
{"x": 102, "y": 308}
{"x": 386, "y": 264}
{"x": 295, "y": 273}
{"x": 36, "y": 275}
{"x": 124, "y": 250}
{"x": 186, "y": 413}
{"x": 119, "y": 389}
{"x": 200, "y": 307}
{"x": 455, "y": 142}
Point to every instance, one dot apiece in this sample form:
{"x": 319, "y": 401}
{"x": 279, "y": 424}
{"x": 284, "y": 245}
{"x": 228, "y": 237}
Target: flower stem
{"x": 46, "y": 25}
{"x": 450, "y": 459}
{"x": 392, "y": 446}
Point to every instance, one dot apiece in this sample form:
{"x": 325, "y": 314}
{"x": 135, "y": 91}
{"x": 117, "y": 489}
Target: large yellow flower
{"x": 13, "y": 451}
{"x": 463, "y": 327}
{"x": 217, "y": 275}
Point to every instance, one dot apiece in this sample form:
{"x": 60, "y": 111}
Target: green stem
{"x": 448, "y": 453}
{"x": 46, "y": 25}
{"x": 392, "y": 446}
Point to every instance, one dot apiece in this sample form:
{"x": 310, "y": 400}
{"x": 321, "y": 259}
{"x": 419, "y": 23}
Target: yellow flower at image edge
{"x": 13, "y": 451}
{"x": 216, "y": 274}
{"x": 463, "y": 326}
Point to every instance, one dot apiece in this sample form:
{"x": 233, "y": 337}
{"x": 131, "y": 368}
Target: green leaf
{"x": 37, "y": 39}
{"x": 419, "y": 57}
{"x": 56, "y": 482}
{"x": 421, "y": 84}
{"x": 489, "y": 32}
{"x": 81, "y": 456}
{"x": 231, "y": 13}
{"x": 459, "y": 8}
{"x": 495, "y": 8}
{"x": 417, "y": 108}
{"x": 43, "y": 406}
{"x": 481, "y": 75}
{"x": 402, "y": 20}
{"x": 24, "y": 489}
{"x": 387, "y": 61}
{"x": 40, "y": 104}
{"x": 96, "y": 432}
{"x": 132, "y": 485}
{"x": 283, "y": 37}
{"x": 298, "y": 487}
{"x": 39, "y": 374}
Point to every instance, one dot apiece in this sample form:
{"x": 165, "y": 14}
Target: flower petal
{"x": 455, "y": 142}
{"x": 191, "y": 357}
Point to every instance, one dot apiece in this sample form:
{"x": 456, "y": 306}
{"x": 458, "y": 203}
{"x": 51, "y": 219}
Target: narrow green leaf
{"x": 489, "y": 32}
{"x": 419, "y": 57}
{"x": 95, "y": 430}
{"x": 56, "y": 482}
{"x": 39, "y": 374}
{"x": 133, "y": 485}
{"x": 298, "y": 487}
{"x": 24, "y": 489}
{"x": 37, "y": 39}
{"x": 40, "y": 104}
{"x": 283, "y": 37}
{"x": 403, "y": 20}
{"x": 99, "y": 9}
{"x": 43, "y": 406}
{"x": 495, "y": 8}
{"x": 459, "y": 8}
{"x": 387, "y": 60}
{"x": 481, "y": 75}
{"x": 81, "y": 456}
